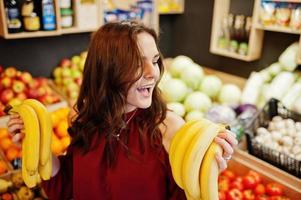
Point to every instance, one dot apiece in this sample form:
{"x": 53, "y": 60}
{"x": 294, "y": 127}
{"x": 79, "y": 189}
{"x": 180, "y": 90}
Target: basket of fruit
{"x": 274, "y": 135}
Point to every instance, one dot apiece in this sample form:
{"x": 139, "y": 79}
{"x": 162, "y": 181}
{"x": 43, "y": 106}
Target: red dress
{"x": 142, "y": 176}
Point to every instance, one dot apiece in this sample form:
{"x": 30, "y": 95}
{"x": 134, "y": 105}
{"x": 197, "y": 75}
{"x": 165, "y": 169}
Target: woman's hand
{"x": 15, "y": 126}
{"x": 227, "y": 141}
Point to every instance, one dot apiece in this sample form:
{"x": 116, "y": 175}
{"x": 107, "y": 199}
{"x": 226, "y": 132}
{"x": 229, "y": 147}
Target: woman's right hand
{"x": 15, "y": 126}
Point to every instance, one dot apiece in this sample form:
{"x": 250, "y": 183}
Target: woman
{"x": 122, "y": 130}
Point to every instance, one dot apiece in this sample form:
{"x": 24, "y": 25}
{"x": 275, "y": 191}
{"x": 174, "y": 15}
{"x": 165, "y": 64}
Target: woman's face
{"x": 140, "y": 93}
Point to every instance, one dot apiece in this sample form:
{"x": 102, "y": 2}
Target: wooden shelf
{"x": 289, "y": 1}
{"x": 171, "y": 12}
{"x": 226, "y": 53}
{"x": 86, "y": 18}
{"x": 221, "y": 9}
{"x": 278, "y": 29}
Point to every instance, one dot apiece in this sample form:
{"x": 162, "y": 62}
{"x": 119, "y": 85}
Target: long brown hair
{"x": 114, "y": 63}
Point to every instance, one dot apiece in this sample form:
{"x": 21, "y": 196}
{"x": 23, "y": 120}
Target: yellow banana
{"x": 45, "y": 129}
{"x": 179, "y": 152}
{"x": 209, "y": 173}
{"x": 46, "y": 170}
{"x": 29, "y": 180}
{"x": 194, "y": 156}
{"x": 31, "y": 140}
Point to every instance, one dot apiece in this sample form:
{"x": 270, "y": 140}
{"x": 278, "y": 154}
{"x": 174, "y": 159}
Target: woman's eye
{"x": 155, "y": 62}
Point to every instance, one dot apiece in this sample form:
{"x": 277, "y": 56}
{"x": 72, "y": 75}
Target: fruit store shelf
{"x": 226, "y": 53}
{"x": 278, "y": 29}
{"x": 243, "y": 161}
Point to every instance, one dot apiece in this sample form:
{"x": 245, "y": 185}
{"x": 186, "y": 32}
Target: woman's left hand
{"x": 227, "y": 140}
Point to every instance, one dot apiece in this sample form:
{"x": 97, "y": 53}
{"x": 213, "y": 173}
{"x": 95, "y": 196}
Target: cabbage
{"x": 177, "y": 107}
{"x": 211, "y": 85}
{"x": 197, "y": 101}
{"x": 230, "y": 94}
{"x": 221, "y": 114}
{"x": 178, "y": 64}
{"x": 275, "y": 69}
{"x": 289, "y": 56}
{"x": 174, "y": 90}
{"x": 194, "y": 115}
{"x": 192, "y": 75}
{"x": 165, "y": 77}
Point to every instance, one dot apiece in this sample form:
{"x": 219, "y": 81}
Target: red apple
{"x": 6, "y": 96}
{"x": 26, "y": 77}
{"x": 21, "y": 96}
{"x": 32, "y": 93}
{"x": 10, "y": 72}
{"x": 34, "y": 84}
{"x": 41, "y": 91}
{"x": 79, "y": 81}
{"x": 18, "y": 86}
{"x": 65, "y": 62}
{"x": 6, "y": 82}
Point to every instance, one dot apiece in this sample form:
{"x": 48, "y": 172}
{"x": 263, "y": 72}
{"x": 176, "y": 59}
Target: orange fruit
{"x": 3, "y": 133}
{"x": 57, "y": 147}
{"x": 3, "y": 167}
{"x": 12, "y": 153}
{"x": 5, "y": 143}
{"x": 61, "y": 129}
{"x": 54, "y": 119}
{"x": 65, "y": 141}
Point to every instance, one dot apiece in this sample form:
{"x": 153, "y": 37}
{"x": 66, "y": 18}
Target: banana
{"x": 31, "y": 140}
{"x": 46, "y": 170}
{"x": 209, "y": 173}
{"x": 185, "y": 136}
{"x": 45, "y": 129}
{"x": 29, "y": 180}
{"x": 194, "y": 155}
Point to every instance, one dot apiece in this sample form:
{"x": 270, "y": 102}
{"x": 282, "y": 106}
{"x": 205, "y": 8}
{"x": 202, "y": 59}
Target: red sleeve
{"x": 60, "y": 186}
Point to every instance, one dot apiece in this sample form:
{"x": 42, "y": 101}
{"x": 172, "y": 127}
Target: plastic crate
{"x": 262, "y": 119}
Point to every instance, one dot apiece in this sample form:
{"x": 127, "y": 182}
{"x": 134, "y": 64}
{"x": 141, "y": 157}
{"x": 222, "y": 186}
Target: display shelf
{"x": 4, "y": 33}
{"x": 277, "y": 29}
{"x": 87, "y": 17}
{"x": 221, "y": 9}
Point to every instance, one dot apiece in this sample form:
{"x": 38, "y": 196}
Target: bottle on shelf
{"x": 48, "y": 15}
{"x": 31, "y": 19}
{"x": 14, "y": 24}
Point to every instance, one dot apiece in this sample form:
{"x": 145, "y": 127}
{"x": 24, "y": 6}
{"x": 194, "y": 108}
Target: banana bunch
{"x": 36, "y": 144}
{"x": 192, "y": 159}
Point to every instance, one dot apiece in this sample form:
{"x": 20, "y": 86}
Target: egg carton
{"x": 279, "y": 159}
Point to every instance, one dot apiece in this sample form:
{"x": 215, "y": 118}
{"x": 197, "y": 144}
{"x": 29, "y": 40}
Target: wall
{"x": 187, "y": 34}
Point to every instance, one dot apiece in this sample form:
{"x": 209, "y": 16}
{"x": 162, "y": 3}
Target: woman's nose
{"x": 149, "y": 70}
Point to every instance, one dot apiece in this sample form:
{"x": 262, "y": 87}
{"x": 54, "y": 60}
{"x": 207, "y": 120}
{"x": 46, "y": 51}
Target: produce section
{"x": 263, "y": 110}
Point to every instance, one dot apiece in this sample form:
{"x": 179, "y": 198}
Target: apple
{"x": 79, "y": 81}
{"x": 65, "y": 63}
{"x": 10, "y": 72}
{"x": 21, "y": 96}
{"x": 67, "y": 81}
{"x": 6, "y": 96}
{"x": 66, "y": 72}
{"x": 81, "y": 65}
{"x": 41, "y": 91}
{"x": 42, "y": 81}
{"x": 58, "y": 81}
{"x": 1, "y": 69}
{"x": 75, "y": 59}
{"x": 57, "y": 72}
{"x": 72, "y": 87}
{"x": 75, "y": 73}
{"x": 32, "y": 93}
{"x": 18, "y": 86}
{"x": 25, "y": 77}
{"x": 73, "y": 94}
{"x": 6, "y": 82}
{"x": 34, "y": 84}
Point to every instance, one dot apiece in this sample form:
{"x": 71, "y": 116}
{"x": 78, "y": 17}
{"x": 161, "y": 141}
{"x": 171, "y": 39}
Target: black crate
{"x": 262, "y": 119}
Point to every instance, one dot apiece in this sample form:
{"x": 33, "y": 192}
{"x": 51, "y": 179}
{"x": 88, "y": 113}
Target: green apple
{"x": 75, "y": 73}
{"x": 57, "y": 72}
{"x": 66, "y": 72}
{"x": 75, "y": 59}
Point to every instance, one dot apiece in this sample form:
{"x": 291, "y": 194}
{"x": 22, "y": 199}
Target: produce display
{"x": 195, "y": 170}
{"x": 276, "y": 81}
{"x": 248, "y": 187}
{"x": 190, "y": 93}
{"x": 12, "y": 187}
{"x": 283, "y": 135}
{"x": 36, "y": 149}
{"x": 16, "y": 86}
{"x": 68, "y": 75}
{"x": 10, "y": 149}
